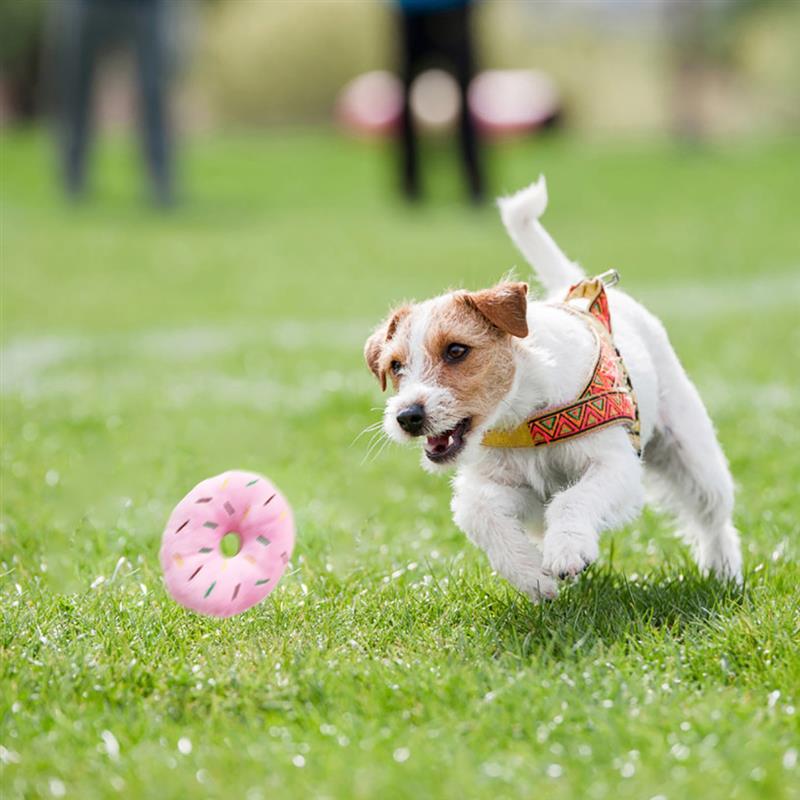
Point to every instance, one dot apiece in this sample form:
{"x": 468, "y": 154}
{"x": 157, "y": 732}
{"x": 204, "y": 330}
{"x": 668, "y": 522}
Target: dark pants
{"x": 442, "y": 38}
{"x": 89, "y": 27}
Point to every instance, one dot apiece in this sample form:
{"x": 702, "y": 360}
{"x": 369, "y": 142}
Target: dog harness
{"x": 608, "y": 397}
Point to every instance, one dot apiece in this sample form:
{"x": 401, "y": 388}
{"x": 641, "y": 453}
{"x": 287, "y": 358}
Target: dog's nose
{"x": 412, "y": 419}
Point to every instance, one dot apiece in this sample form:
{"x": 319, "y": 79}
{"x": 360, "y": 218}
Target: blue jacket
{"x": 421, "y": 6}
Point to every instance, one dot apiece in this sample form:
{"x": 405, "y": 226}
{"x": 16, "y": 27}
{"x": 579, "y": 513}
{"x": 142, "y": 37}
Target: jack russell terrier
{"x": 553, "y": 413}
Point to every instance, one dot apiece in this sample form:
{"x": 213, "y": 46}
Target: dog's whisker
{"x": 376, "y": 434}
{"x": 374, "y": 442}
{"x": 386, "y": 441}
{"x": 376, "y": 447}
{"x": 369, "y": 429}
{"x": 373, "y": 448}
{"x": 383, "y": 447}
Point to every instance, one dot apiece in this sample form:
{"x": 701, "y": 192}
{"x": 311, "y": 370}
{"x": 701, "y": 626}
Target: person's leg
{"x": 79, "y": 45}
{"x": 411, "y": 35}
{"x": 464, "y": 64}
{"x": 151, "y": 57}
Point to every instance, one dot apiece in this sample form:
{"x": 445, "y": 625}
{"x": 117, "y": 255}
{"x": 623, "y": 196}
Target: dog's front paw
{"x": 532, "y": 581}
{"x": 567, "y": 553}
{"x": 542, "y": 587}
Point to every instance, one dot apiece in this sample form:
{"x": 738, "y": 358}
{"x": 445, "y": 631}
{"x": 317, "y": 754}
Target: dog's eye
{"x": 396, "y": 367}
{"x": 455, "y": 352}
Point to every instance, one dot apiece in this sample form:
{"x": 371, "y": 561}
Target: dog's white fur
{"x": 538, "y": 512}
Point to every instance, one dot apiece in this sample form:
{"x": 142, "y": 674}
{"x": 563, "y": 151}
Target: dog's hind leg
{"x": 686, "y": 465}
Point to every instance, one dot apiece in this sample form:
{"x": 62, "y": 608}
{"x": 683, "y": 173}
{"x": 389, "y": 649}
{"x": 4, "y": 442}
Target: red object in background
{"x": 370, "y": 105}
{"x": 502, "y": 102}
{"x": 513, "y": 101}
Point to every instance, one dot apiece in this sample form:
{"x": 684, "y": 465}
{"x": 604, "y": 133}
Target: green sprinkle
{"x": 252, "y": 482}
{"x": 210, "y": 589}
{"x": 205, "y": 549}
{"x": 262, "y": 582}
{"x": 262, "y": 540}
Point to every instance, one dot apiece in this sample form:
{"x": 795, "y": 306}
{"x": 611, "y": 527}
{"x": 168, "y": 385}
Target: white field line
{"x": 61, "y": 367}
{"x": 745, "y": 396}
{"x": 53, "y": 366}
{"x": 769, "y": 292}
{"x": 26, "y": 361}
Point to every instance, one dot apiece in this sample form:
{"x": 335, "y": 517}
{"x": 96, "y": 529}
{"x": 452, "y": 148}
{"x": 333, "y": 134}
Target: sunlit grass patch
{"x": 142, "y": 354}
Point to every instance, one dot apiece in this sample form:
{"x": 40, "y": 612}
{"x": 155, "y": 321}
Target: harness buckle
{"x": 609, "y": 278}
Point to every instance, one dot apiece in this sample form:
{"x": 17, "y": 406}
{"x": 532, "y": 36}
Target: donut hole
{"x": 230, "y": 544}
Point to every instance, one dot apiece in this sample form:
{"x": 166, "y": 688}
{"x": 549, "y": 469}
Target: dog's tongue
{"x": 438, "y": 444}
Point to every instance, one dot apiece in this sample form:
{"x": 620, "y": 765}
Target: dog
{"x": 472, "y": 369}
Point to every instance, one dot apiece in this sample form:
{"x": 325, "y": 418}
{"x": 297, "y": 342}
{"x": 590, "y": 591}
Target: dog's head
{"x": 450, "y": 360}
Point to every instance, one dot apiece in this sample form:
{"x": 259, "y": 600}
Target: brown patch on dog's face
{"x": 374, "y": 349}
{"x": 480, "y": 378}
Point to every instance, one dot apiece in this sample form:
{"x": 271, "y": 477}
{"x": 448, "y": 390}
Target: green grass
{"x": 142, "y": 353}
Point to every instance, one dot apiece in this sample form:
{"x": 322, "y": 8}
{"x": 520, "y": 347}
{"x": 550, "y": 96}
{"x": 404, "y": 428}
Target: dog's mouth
{"x": 446, "y": 446}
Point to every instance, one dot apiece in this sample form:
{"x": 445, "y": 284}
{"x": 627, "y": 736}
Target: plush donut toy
{"x": 235, "y": 504}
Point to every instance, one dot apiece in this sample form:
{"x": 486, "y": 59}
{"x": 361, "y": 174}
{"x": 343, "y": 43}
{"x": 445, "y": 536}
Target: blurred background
{"x": 618, "y": 65}
{"x": 700, "y": 70}
{"x": 205, "y": 208}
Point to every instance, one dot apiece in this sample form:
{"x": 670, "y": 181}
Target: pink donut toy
{"x": 197, "y": 573}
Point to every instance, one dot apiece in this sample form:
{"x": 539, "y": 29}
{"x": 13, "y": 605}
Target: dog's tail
{"x": 520, "y": 213}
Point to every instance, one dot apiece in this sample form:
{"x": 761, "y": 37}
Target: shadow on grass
{"x": 606, "y": 608}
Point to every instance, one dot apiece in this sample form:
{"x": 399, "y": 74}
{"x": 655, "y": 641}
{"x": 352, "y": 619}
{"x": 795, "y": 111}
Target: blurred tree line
{"x": 257, "y": 62}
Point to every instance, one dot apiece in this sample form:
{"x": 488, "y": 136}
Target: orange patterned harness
{"x": 608, "y": 397}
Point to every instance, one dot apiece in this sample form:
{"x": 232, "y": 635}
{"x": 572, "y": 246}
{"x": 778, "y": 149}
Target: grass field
{"x": 142, "y": 353}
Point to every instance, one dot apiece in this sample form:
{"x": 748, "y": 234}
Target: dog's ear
{"x": 504, "y": 305}
{"x": 372, "y": 354}
{"x": 373, "y": 349}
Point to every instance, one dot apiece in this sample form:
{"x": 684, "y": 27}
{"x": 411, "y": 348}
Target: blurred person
{"x": 688, "y": 28}
{"x": 21, "y": 43}
{"x": 86, "y": 29}
{"x": 438, "y": 32}
{"x": 703, "y": 39}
